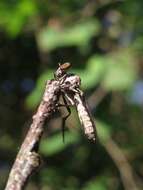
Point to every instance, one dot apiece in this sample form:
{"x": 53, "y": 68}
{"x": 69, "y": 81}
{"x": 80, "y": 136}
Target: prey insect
{"x": 73, "y": 96}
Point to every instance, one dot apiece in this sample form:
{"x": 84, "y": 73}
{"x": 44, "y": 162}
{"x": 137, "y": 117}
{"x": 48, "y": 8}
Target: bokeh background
{"x": 103, "y": 40}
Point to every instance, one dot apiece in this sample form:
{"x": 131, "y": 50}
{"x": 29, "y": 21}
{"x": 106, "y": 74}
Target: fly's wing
{"x": 84, "y": 116}
{"x": 70, "y": 88}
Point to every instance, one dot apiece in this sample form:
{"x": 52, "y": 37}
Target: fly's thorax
{"x": 71, "y": 82}
{"x": 59, "y": 73}
{"x": 69, "y": 85}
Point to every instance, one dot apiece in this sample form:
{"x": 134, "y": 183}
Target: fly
{"x": 73, "y": 96}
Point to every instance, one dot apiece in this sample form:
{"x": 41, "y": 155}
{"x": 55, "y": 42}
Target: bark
{"x": 28, "y": 159}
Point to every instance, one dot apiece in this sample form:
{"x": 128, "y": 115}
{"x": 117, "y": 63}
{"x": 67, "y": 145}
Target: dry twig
{"x": 117, "y": 155}
{"x": 28, "y": 159}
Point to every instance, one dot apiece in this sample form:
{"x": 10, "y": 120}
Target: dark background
{"x": 103, "y": 41}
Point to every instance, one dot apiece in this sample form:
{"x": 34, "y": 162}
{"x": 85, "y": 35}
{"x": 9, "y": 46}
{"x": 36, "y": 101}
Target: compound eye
{"x": 64, "y": 66}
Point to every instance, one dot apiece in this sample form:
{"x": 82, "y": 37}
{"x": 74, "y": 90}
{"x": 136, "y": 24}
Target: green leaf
{"x": 116, "y": 71}
{"x": 34, "y": 98}
{"x": 103, "y": 130}
{"x": 94, "y": 71}
{"x": 78, "y": 35}
{"x": 98, "y": 184}
{"x": 55, "y": 144}
{"x": 120, "y": 71}
{"x": 13, "y": 18}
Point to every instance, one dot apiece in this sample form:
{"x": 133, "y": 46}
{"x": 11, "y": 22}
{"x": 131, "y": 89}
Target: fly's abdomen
{"x": 85, "y": 118}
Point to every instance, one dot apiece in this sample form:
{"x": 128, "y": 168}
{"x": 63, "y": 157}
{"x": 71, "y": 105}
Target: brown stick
{"x": 124, "y": 167}
{"x": 28, "y": 159}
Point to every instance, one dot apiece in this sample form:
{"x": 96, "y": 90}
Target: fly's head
{"x": 68, "y": 82}
{"x": 61, "y": 71}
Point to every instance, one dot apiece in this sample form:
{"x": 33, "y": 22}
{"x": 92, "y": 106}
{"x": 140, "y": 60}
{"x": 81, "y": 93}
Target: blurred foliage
{"x": 55, "y": 143}
{"x": 103, "y": 41}
{"x": 15, "y": 14}
{"x": 79, "y": 35}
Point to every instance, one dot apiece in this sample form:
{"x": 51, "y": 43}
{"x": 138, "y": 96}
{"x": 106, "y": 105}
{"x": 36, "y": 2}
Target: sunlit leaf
{"x": 13, "y": 18}
{"x": 98, "y": 184}
{"x": 55, "y": 144}
{"x": 103, "y": 130}
{"x": 78, "y": 35}
{"x": 94, "y": 72}
{"x": 121, "y": 71}
{"x": 33, "y": 99}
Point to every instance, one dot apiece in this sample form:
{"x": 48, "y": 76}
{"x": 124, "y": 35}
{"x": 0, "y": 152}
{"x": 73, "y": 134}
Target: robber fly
{"x": 73, "y": 96}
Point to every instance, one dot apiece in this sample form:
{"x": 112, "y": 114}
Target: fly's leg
{"x": 65, "y": 117}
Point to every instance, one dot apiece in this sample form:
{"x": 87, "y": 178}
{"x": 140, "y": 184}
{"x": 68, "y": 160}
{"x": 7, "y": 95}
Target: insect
{"x": 73, "y": 96}
{"x": 61, "y": 71}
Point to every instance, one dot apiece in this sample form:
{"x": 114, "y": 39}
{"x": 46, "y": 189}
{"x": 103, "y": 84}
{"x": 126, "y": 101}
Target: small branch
{"x": 122, "y": 164}
{"x": 28, "y": 159}
{"x": 124, "y": 167}
{"x": 97, "y": 97}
